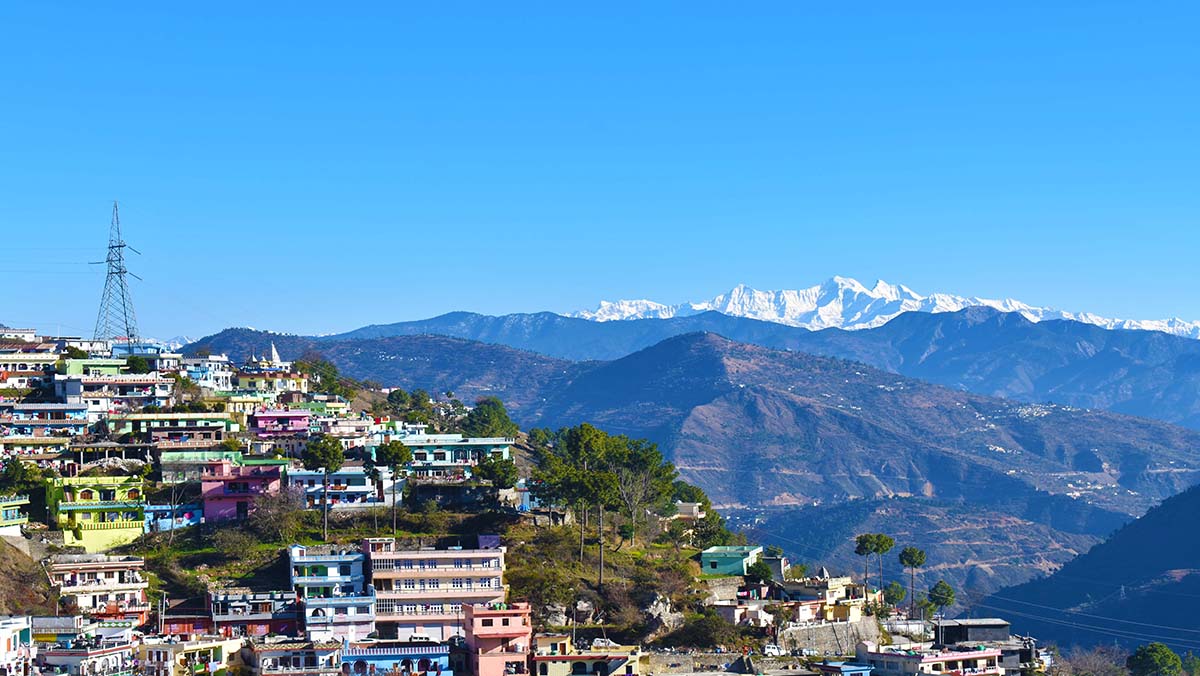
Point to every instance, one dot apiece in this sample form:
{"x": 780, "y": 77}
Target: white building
{"x": 17, "y": 651}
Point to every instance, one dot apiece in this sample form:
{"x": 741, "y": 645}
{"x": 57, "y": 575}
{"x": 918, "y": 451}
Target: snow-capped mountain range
{"x": 845, "y": 303}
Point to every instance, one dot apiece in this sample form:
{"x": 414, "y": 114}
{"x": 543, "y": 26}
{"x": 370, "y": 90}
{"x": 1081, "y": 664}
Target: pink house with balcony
{"x": 276, "y": 423}
{"x": 498, "y": 636}
{"x": 229, "y": 490}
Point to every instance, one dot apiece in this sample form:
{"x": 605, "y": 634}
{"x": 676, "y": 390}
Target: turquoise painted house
{"x": 729, "y": 560}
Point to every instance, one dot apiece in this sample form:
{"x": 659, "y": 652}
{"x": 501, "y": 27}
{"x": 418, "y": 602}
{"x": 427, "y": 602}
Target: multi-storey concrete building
{"x": 553, "y": 655}
{"x": 421, "y": 592}
{"x": 174, "y": 430}
{"x": 276, "y": 423}
{"x": 213, "y": 655}
{"x": 498, "y": 638}
{"x": 296, "y": 658}
{"x": 105, "y": 395}
{"x": 238, "y": 611}
{"x": 214, "y": 372}
{"x": 901, "y": 661}
{"x": 93, "y": 654}
{"x": 348, "y": 487}
{"x": 103, "y": 587}
{"x": 19, "y": 419}
{"x": 97, "y": 513}
{"x": 452, "y": 455}
{"x": 17, "y": 651}
{"x": 336, "y": 601}
{"x": 229, "y": 490}
{"x": 385, "y": 658}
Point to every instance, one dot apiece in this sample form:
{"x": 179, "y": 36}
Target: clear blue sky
{"x": 296, "y": 168}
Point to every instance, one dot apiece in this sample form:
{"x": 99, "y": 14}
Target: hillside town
{"x": 120, "y": 451}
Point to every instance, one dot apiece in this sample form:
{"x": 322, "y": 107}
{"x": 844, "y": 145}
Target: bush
{"x": 234, "y": 543}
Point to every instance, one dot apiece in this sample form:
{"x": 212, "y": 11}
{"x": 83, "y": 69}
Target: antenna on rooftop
{"x": 116, "y": 318}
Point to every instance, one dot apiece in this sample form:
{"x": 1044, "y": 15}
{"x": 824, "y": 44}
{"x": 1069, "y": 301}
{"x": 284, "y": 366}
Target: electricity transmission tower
{"x": 116, "y": 318}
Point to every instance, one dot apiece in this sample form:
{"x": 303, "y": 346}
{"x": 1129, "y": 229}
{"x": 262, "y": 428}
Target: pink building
{"x": 278, "y": 423}
{"x": 498, "y": 636}
{"x": 229, "y": 490}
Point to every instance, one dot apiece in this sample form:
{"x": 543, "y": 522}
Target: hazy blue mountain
{"x": 1136, "y": 587}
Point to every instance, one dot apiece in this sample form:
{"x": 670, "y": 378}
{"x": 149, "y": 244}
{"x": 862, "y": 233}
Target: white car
{"x": 772, "y": 650}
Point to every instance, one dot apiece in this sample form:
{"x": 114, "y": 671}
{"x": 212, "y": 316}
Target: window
{"x": 543, "y": 669}
{"x": 410, "y": 584}
{"x": 434, "y": 584}
{"x": 487, "y": 622}
{"x": 457, "y": 583}
{"x": 712, "y": 564}
{"x": 504, "y": 621}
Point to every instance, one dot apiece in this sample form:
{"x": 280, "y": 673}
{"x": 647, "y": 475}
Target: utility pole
{"x": 116, "y": 318}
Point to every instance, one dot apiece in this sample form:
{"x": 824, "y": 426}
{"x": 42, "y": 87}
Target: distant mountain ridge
{"x": 843, "y": 302}
{"x": 979, "y": 349}
{"x": 767, "y": 429}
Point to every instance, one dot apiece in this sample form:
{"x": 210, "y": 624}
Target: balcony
{"x": 418, "y": 573}
{"x": 502, "y": 631}
{"x": 98, "y": 505}
{"x": 85, "y": 586}
{"x": 297, "y": 671}
{"x": 448, "y": 592}
{"x": 325, "y": 579}
{"x": 339, "y": 618}
{"x": 130, "y": 524}
{"x": 348, "y": 600}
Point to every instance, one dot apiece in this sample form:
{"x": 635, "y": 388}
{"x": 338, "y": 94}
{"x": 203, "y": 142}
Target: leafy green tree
{"x": 864, "y": 546}
{"x": 324, "y": 453}
{"x": 231, "y": 444}
{"x": 912, "y": 559}
{"x": 73, "y": 352}
{"x": 136, "y": 364}
{"x": 796, "y": 571}
{"x": 941, "y": 595}
{"x": 398, "y": 400}
{"x": 894, "y": 593}
{"x": 489, "y": 419}
{"x": 19, "y": 477}
{"x": 883, "y": 545}
{"x": 704, "y": 630}
{"x": 1191, "y": 664}
{"x": 233, "y": 543}
{"x": 641, "y": 477}
{"x": 774, "y": 550}
{"x": 500, "y": 471}
{"x": 1154, "y": 659}
{"x": 759, "y": 571}
{"x": 395, "y": 456}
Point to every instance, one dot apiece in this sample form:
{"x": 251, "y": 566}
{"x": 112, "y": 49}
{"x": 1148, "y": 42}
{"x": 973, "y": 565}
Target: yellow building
{"x": 212, "y": 655}
{"x": 553, "y": 655}
{"x": 97, "y": 512}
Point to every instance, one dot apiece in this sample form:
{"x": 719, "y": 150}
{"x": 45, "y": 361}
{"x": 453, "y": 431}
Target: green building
{"x": 97, "y": 512}
{"x": 729, "y": 560}
{"x": 12, "y": 517}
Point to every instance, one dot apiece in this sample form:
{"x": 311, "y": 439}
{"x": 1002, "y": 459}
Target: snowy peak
{"x": 844, "y": 302}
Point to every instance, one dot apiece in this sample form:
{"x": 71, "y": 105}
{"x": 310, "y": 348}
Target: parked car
{"x": 772, "y": 650}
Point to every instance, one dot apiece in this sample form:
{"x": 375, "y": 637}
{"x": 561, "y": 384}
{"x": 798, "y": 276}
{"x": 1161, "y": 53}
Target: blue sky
{"x": 291, "y": 167}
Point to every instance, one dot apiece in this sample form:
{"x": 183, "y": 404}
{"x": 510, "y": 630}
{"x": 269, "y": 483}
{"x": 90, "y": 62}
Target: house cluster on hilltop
{"x": 90, "y": 413}
{"x": 100, "y": 419}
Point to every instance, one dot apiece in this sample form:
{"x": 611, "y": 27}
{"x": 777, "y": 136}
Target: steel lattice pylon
{"x": 116, "y": 318}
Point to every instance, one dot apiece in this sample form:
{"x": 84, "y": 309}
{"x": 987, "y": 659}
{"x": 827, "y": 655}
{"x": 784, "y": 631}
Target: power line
{"x": 1108, "y": 631}
{"x": 1098, "y": 617}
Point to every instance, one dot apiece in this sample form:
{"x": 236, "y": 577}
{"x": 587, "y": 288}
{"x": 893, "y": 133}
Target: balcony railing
{"x": 108, "y": 525}
{"x": 104, "y": 584}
